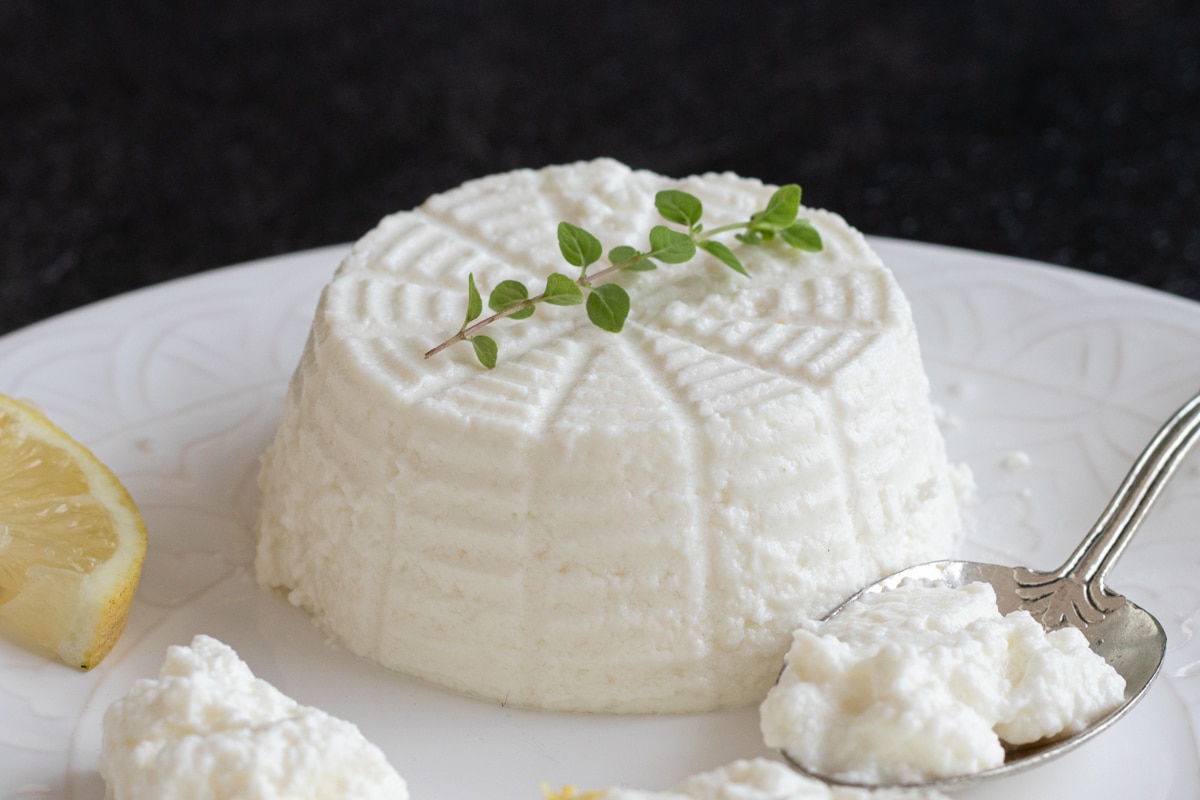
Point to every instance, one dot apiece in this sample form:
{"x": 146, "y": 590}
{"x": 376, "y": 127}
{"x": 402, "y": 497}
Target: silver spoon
{"x": 1128, "y": 637}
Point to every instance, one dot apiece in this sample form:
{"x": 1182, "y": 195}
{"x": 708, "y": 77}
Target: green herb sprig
{"x": 607, "y": 303}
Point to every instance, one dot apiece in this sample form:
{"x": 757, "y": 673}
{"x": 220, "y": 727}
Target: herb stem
{"x": 473, "y": 328}
{"x": 583, "y": 282}
{"x": 607, "y": 303}
{"x": 733, "y": 226}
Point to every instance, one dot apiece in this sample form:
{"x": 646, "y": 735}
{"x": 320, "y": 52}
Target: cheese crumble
{"x": 208, "y": 728}
{"x": 925, "y": 682}
{"x": 750, "y": 779}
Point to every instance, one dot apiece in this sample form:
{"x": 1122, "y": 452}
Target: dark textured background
{"x": 141, "y": 142}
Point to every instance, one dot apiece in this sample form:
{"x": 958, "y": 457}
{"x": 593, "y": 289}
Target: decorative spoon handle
{"x": 1106, "y": 541}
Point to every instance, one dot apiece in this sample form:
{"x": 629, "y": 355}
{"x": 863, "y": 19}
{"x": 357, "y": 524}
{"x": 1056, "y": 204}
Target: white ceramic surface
{"x": 1051, "y": 382}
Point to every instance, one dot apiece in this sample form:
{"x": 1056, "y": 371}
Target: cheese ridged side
{"x": 630, "y": 522}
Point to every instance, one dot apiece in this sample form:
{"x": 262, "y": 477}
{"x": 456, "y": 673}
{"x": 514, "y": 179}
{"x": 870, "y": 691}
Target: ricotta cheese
{"x": 757, "y": 779}
{"x": 622, "y": 523}
{"x": 207, "y": 728}
{"x": 925, "y": 682}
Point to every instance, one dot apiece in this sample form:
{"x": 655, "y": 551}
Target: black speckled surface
{"x": 141, "y": 142}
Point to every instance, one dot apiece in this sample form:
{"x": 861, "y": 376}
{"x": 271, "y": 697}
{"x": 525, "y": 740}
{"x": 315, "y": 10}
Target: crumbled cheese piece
{"x": 1017, "y": 460}
{"x": 753, "y": 779}
{"x": 207, "y": 728}
{"x": 923, "y": 682}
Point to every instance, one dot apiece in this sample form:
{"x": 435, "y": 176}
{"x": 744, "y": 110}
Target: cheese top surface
{"x": 925, "y": 682}
{"x": 760, "y": 779}
{"x": 207, "y": 727}
{"x": 604, "y": 522}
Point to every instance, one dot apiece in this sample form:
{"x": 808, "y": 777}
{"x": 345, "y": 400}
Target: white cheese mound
{"x": 207, "y": 728}
{"x": 760, "y": 779}
{"x": 924, "y": 682}
{"x": 628, "y": 522}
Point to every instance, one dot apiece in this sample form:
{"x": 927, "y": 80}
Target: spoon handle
{"x": 1106, "y": 541}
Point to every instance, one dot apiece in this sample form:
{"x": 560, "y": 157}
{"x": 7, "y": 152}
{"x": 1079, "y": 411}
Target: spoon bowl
{"x": 1125, "y": 635}
{"x": 1130, "y": 639}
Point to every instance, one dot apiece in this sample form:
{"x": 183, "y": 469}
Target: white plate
{"x": 1051, "y": 382}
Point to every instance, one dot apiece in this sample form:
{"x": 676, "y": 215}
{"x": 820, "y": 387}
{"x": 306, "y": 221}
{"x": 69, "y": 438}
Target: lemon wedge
{"x": 71, "y": 541}
{"x": 571, "y": 793}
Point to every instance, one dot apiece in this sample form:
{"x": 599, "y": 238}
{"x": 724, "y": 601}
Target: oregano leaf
{"x": 578, "y": 247}
{"x": 474, "y": 301}
{"x": 724, "y": 255}
{"x": 670, "y": 247}
{"x": 486, "y": 350}
{"x": 781, "y": 210}
{"x": 508, "y": 294}
{"x": 803, "y": 236}
{"x": 608, "y": 306}
{"x": 680, "y": 207}
{"x": 562, "y": 291}
{"x": 622, "y": 253}
{"x": 628, "y": 258}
